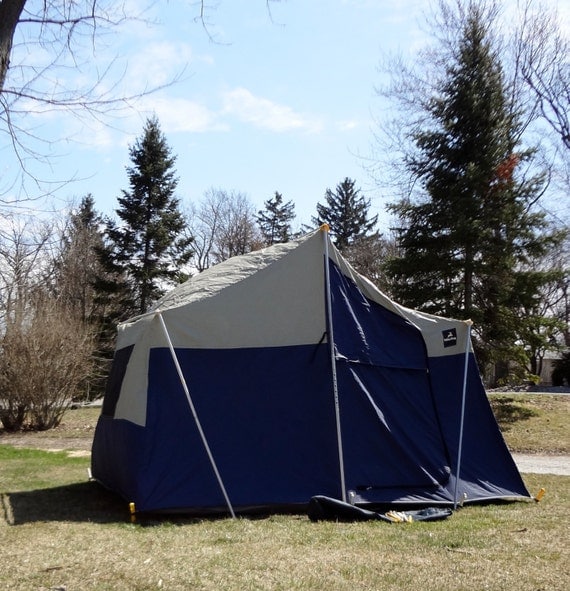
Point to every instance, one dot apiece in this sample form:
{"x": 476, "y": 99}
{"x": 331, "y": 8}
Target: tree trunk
{"x": 10, "y": 11}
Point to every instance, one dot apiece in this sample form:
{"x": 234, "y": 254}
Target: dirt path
{"x": 540, "y": 464}
{"x": 45, "y": 441}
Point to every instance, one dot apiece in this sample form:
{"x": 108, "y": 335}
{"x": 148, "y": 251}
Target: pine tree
{"x": 466, "y": 241}
{"x": 346, "y": 211}
{"x": 149, "y": 247}
{"x": 275, "y": 221}
{"x": 77, "y": 266}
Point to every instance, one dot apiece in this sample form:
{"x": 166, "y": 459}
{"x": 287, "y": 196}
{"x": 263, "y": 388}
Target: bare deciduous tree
{"x": 223, "y": 226}
{"x": 206, "y": 9}
{"x": 23, "y": 247}
{"x": 542, "y": 50}
{"x": 41, "y": 45}
{"x": 45, "y": 349}
{"x": 368, "y": 256}
{"x": 545, "y": 65}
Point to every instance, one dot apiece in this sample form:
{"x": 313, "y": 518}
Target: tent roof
{"x": 213, "y": 280}
{"x": 251, "y": 294}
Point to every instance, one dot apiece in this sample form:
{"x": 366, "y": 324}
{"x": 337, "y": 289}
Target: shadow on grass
{"x": 87, "y": 502}
{"x": 509, "y": 411}
{"x": 81, "y": 502}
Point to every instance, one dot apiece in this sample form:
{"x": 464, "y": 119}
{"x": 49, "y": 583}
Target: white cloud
{"x": 182, "y": 115}
{"x": 175, "y": 115}
{"x": 347, "y": 125}
{"x": 98, "y": 135}
{"x": 265, "y": 114}
{"x": 158, "y": 64}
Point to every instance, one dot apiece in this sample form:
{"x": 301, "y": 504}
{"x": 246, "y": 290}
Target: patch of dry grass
{"x": 74, "y": 432}
{"x": 534, "y": 423}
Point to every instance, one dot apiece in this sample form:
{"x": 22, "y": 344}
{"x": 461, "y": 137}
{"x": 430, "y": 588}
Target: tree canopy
{"x": 347, "y": 212}
{"x": 275, "y": 220}
{"x": 468, "y": 235}
{"x": 149, "y": 247}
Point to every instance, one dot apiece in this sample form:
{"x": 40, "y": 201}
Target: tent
{"x": 283, "y": 374}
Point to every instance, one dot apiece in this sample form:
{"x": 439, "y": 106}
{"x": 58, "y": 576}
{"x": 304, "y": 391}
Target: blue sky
{"x": 282, "y": 102}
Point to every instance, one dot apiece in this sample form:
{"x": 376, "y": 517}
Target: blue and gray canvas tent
{"x": 283, "y": 374}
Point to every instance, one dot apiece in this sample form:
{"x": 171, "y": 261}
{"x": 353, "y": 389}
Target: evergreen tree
{"x": 346, "y": 211}
{"x": 148, "y": 247}
{"x": 77, "y": 266}
{"x": 275, "y": 221}
{"x": 85, "y": 290}
{"x": 466, "y": 241}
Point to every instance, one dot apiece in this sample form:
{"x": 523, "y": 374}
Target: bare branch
{"x": 545, "y": 66}
{"x": 60, "y": 28}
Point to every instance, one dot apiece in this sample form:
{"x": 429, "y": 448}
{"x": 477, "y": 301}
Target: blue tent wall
{"x": 393, "y": 440}
{"x": 266, "y": 414}
{"x": 417, "y": 402}
{"x": 487, "y": 468}
{"x": 268, "y": 418}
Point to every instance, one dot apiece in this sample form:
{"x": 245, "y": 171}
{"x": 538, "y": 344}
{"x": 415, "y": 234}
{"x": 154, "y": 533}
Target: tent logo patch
{"x": 449, "y": 337}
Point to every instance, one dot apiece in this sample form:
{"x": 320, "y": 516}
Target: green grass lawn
{"x": 59, "y": 530}
{"x": 78, "y": 536}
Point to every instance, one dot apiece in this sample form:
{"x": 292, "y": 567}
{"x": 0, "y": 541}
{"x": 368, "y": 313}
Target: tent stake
{"x": 195, "y": 414}
{"x": 325, "y": 229}
{"x": 462, "y": 419}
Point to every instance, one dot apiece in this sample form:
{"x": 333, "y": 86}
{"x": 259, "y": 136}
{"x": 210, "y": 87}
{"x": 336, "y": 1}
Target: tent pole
{"x": 325, "y": 229}
{"x": 462, "y": 419}
{"x": 195, "y": 414}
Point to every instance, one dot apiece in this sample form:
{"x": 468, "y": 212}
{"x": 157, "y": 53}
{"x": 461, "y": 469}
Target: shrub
{"x": 43, "y": 362}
